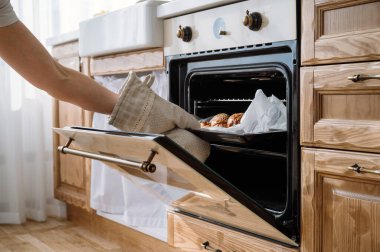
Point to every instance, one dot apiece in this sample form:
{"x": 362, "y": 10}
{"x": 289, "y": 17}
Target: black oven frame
{"x": 282, "y": 55}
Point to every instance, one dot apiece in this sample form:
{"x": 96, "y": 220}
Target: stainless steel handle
{"x": 360, "y": 169}
{"x": 362, "y": 77}
{"x": 145, "y": 166}
{"x": 206, "y": 246}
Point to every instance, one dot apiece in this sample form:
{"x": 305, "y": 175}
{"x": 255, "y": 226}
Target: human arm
{"x": 26, "y": 55}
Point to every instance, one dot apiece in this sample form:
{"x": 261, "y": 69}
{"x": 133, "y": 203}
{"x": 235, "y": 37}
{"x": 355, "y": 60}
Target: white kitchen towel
{"x": 142, "y": 201}
{"x": 106, "y": 183}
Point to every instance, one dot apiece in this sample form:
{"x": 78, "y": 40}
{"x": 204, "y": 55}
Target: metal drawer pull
{"x": 360, "y": 169}
{"x": 145, "y": 166}
{"x": 206, "y": 246}
{"x": 362, "y": 77}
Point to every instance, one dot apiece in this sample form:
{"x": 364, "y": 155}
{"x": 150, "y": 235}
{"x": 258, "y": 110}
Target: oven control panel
{"x": 244, "y": 23}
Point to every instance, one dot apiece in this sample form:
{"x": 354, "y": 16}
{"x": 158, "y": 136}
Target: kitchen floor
{"x": 52, "y": 235}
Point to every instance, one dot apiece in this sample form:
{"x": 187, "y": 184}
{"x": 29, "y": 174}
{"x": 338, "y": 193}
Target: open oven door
{"x": 206, "y": 194}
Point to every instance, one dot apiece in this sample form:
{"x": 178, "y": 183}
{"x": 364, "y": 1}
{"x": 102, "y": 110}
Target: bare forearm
{"x": 21, "y": 50}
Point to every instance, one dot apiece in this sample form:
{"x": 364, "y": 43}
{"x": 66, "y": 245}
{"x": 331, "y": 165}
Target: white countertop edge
{"x": 62, "y": 38}
{"x": 181, "y": 7}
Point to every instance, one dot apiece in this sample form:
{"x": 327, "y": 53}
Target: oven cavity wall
{"x": 340, "y": 125}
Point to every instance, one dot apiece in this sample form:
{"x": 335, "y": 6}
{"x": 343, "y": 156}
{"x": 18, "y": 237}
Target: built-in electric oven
{"x": 215, "y": 64}
{"x": 216, "y": 61}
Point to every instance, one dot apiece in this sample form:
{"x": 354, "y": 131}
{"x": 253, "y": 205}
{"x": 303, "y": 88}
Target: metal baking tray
{"x": 244, "y": 139}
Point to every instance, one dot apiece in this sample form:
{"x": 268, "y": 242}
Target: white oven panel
{"x": 222, "y": 27}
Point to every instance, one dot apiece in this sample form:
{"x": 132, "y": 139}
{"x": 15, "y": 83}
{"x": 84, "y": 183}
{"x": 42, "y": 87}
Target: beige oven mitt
{"x": 140, "y": 109}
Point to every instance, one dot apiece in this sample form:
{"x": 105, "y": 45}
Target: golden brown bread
{"x": 205, "y": 124}
{"x": 234, "y": 119}
{"x": 219, "y": 120}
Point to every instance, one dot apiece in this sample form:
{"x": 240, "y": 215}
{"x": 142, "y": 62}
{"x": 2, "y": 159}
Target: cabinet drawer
{"x": 139, "y": 61}
{"x": 66, "y": 50}
{"x": 188, "y": 234}
{"x": 342, "y": 163}
{"x": 337, "y": 112}
{"x": 340, "y": 31}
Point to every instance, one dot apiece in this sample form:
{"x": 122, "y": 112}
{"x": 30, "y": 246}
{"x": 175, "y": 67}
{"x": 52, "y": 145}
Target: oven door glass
{"x": 203, "y": 193}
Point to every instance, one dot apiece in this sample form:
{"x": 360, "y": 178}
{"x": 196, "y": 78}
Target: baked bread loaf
{"x": 219, "y": 120}
{"x": 205, "y": 124}
{"x": 234, "y": 119}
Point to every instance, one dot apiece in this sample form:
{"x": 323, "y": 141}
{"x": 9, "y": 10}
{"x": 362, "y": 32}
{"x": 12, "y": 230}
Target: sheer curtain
{"x": 26, "y": 165}
{"x": 26, "y": 185}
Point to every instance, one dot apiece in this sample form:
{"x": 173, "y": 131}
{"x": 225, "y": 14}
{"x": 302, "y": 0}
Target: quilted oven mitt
{"x": 140, "y": 109}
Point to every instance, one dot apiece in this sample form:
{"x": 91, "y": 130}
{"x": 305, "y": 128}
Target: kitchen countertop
{"x": 62, "y": 38}
{"x": 181, "y": 7}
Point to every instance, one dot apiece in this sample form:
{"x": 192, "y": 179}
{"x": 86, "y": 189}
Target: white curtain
{"x": 26, "y": 166}
{"x": 26, "y": 169}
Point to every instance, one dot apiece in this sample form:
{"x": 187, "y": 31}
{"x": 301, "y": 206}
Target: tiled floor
{"x": 53, "y": 235}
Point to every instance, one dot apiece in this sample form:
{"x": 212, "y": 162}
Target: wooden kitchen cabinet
{"x": 340, "y": 110}
{"x": 340, "y": 31}
{"x": 337, "y": 112}
{"x": 72, "y": 173}
{"x": 341, "y": 207}
{"x": 191, "y": 234}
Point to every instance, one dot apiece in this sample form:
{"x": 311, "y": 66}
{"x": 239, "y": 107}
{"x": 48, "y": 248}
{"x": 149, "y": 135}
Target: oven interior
{"x": 210, "y": 93}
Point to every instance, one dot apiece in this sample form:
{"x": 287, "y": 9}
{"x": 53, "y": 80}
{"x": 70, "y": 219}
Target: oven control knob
{"x": 184, "y": 33}
{"x": 253, "y": 20}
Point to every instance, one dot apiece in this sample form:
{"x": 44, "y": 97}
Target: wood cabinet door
{"x": 191, "y": 234}
{"x": 340, "y": 207}
{"x": 340, "y": 31}
{"x": 337, "y": 112}
{"x": 71, "y": 174}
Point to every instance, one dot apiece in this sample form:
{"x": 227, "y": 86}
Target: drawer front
{"x": 344, "y": 163}
{"x": 337, "y": 112}
{"x": 340, "y": 31}
{"x": 65, "y": 50}
{"x": 188, "y": 234}
{"x": 72, "y": 63}
{"x": 139, "y": 61}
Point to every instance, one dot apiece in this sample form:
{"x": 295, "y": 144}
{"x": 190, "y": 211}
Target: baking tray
{"x": 243, "y": 139}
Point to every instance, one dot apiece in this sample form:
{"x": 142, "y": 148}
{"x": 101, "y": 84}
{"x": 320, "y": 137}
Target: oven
{"x": 216, "y": 64}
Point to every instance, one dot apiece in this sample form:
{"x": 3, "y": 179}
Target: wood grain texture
{"x": 52, "y": 235}
{"x": 351, "y": 215}
{"x": 139, "y": 61}
{"x": 72, "y": 63}
{"x": 337, "y": 162}
{"x": 127, "y": 238}
{"x": 307, "y": 105}
{"x": 71, "y": 174}
{"x": 339, "y": 207}
{"x": 340, "y": 31}
{"x": 339, "y": 113}
{"x": 308, "y": 202}
{"x": 66, "y": 50}
{"x": 190, "y": 233}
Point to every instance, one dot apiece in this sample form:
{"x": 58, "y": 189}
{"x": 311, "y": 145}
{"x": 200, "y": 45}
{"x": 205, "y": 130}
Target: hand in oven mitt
{"x": 140, "y": 109}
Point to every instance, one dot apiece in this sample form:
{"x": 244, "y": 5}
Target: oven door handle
{"x": 145, "y": 166}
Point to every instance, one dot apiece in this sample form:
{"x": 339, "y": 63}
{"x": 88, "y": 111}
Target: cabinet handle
{"x": 145, "y": 166}
{"x": 206, "y": 246}
{"x": 362, "y": 77}
{"x": 360, "y": 169}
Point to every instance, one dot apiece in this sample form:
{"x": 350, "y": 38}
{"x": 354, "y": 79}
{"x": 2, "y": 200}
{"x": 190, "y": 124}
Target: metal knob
{"x": 184, "y": 33}
{"x": 253, "y": 20}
